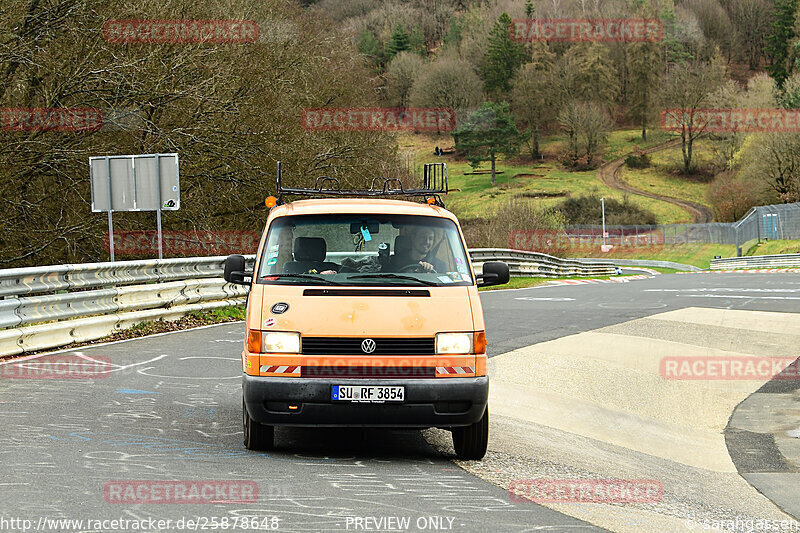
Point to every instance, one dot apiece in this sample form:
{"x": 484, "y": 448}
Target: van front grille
{"x": 383, "y": 346}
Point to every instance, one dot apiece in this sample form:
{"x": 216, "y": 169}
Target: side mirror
{"x": 494, "y": 273}
{"x": 234, "y": 271}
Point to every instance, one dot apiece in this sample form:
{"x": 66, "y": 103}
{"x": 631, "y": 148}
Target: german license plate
{"x": 367, "y": 393}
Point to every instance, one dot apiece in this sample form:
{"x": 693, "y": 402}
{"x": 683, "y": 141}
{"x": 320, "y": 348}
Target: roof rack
{"x": 434, "y": 184}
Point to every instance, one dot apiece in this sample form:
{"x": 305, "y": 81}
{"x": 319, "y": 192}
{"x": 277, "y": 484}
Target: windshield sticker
{"x": 273, "y": 254}
{"x": 272, "y": 261}
{"x": 445, "y": 279}
{"x": 365, "y": 233}
{"x": 465, "y": 277}
{"x": 455, "y": 276}
{"x": 459, "y": 261}
{"x": 462, "y": 269}
{"x": 268, "y": 323}
{"x": 275, "y": 247}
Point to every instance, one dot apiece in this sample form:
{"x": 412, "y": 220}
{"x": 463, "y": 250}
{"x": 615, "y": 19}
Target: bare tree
{"x": 230, "y": 111}
{"x": 533, "y": 101}
{"x": 586, "y": 125}
{"x": 401, "y": 74}
{"x": 449, "y": 83}
{"x": 752, "y": 21}
{"x": 687, "y": 90}
{"x": 774, "y": 160}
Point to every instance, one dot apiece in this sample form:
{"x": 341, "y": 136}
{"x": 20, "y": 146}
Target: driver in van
{"x": 413, "y": 249}
{"x": 417, "y": 250}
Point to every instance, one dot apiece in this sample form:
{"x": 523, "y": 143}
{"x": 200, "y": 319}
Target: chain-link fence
{"x": 767, "y": 222}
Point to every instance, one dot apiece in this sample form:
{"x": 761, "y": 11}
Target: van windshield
{"x": 364, "y": 250}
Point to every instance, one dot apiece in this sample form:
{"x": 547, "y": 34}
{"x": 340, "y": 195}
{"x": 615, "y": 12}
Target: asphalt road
{"x": 171, "y": 410}
{"x": 518, "y": 318}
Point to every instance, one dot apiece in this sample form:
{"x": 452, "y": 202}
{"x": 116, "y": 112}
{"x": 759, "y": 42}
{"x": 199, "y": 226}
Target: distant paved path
{"x": 608, "y": 174}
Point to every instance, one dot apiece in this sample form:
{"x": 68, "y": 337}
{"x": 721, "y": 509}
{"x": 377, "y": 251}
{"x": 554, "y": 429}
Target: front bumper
{"x": 442, "y": 402}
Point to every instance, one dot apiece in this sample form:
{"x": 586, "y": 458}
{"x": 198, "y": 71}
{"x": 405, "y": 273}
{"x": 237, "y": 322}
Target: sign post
{"x": 110, "y": 217}
{"x": 148, "y": 182}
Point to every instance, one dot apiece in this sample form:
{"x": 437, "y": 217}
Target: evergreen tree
{"x": 781, "y": 34}
{"x": 645, "y": 65}
{"x": 676, "y": 50}
{"x": 399, "y": 42}
{"x": 530, "y": 10}
{"x": 487, "y": 133}
{"x": 453, "y": 35}
{"x": 534, "y": 102}
{"x": 371, "y": 48}
{"x": 503, "y": 57}
{"x": 587, "y": 73}
{"x": 416, "y": 42}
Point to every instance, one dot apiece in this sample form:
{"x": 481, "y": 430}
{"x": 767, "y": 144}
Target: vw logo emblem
{"x": 368, "y": 346}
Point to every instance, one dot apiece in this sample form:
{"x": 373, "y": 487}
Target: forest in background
{"x": 233, "y": 110}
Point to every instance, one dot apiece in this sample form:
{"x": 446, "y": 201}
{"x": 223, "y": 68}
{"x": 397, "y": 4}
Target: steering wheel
{"x": 415, "y": 267}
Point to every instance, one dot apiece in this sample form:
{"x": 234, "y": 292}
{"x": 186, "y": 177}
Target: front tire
{"x": 471, "y": 442}
{"x": 256, "y": 436}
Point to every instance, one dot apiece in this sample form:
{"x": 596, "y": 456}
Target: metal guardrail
{"x": 521, "y": 263}
{"x": 52, "y": 306}
{"x": 756, "y": 261}
{"x": 641, "y": 263}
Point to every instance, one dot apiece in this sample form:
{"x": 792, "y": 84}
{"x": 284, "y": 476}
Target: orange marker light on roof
{"x": 270, "y": 201}
{"x": 431, "y": 201}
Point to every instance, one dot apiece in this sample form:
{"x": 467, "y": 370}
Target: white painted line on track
{"x": 546, "y": 299}
{"x": 210, "y": 357}
{"x": 721, "y": 289}
{"x": 738, "y": 296}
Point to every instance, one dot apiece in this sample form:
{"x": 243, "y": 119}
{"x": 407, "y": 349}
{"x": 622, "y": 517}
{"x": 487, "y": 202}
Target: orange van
{"x": 364, "y": 311}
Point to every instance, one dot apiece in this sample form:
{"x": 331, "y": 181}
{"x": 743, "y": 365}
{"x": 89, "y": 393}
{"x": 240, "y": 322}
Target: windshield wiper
{"x": 394, "y": 276}
{"x": 303, "y": 276}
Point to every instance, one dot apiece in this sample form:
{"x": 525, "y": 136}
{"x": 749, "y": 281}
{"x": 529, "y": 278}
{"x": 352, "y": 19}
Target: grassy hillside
{"x": 545, "y": 180}
{"x": 775, "y": 247}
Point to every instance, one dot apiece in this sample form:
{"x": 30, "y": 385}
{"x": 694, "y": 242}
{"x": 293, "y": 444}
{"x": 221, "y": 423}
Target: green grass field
{"x": 774, "y": 247}
{"x": 622, "y": 142}
{"x": 688, "y": 254}
{"x": 473, "y": 195}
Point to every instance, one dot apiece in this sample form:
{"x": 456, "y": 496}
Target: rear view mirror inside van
{"x": 373, "y": 226}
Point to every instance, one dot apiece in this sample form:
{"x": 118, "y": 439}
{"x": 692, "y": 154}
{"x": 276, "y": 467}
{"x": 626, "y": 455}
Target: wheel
{"x": 256, "y": 436}
{"x": 416, "y": 268}
{"x": 413, "y": 267}
{"x": 470, "y": 442}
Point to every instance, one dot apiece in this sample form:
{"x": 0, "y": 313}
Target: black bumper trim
{"x": 428, "y": 403}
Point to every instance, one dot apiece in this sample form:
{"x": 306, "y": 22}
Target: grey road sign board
{"x": 148, "y": 182}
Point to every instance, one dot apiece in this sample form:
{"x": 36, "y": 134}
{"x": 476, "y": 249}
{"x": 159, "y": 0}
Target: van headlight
{"x": 454, "y": 343}
{"x": 280, "y": 342}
